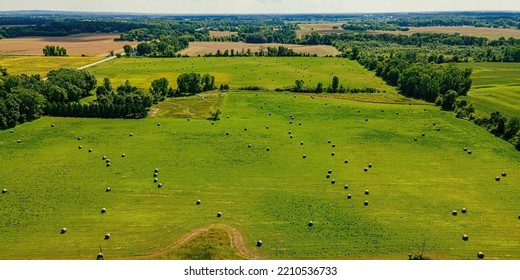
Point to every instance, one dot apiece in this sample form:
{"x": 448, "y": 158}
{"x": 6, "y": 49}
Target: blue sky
{"x": 260, "y": 6}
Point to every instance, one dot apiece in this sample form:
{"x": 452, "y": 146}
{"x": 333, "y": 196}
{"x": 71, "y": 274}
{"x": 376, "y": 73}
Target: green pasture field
{"x": 496, "y": 87}
{"x": 268, "y": 195}
{"x": 266, "y": 72}
{"x": 31, "y": 65}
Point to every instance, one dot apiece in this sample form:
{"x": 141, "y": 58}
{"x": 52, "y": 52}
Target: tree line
{"x": 54, "y": 51}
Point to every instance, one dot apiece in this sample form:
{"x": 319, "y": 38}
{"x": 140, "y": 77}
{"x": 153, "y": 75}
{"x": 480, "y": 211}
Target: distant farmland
{"x": 320, "y": 28}
{"x": 202, "y": 48}
{"x": 490, "y": 33}
{"x": 220, "y": 34}
{"x": 80, "y": 44}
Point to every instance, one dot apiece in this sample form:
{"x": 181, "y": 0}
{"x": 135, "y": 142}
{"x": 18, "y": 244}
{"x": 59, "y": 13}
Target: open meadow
{"x": 89, "y": 44}
{"x": 203, "y": 48}
{"x": 496, "y": 87}
{"x": 41, "y": 65}
{"x": 267, "y": 72}
{"x": 273, "y": 163}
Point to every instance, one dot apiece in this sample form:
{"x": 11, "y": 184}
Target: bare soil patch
{"x": 90, "y": 44}
{"x": 202, "y": 48}
{"x": 221, "y": 34}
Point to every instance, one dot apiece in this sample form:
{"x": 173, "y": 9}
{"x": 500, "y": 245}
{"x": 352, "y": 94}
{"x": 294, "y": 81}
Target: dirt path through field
{"x": 237, "y": 241}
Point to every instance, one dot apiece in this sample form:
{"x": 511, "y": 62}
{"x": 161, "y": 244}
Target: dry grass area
{"x": 320, "y": 28}
{"x": 490, "y": 33}
{"x": 221, "y": 34}
{"x": 90, "y": 44}
{"x": 202, "y": 48}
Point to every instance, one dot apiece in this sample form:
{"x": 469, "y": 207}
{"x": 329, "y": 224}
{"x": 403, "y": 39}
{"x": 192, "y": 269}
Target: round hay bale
{"x": 219, "y": 214}
{"x": 156, "y": 170}
{"x": 212, "y": 123}
{"x": 79, "y": 147}
{"x": 463, "y": 210}
{"x": 11, "y": 131}
{"x": 301, "y": 143}
{"x": 52, "y": 125}
{"x": 366, "y": 120}
{"x": 155, "y": 174}
{"x": 299, "y": 123}
{"x": 346, "y": 161}
{"x": 465, "y": 149}
{"x": 329, "y": 141}
{"x": 79, "y": 138}
{"x": 454, "y": 212}
{"x": 365, "y": 169}
{"x": 267, "y": 127}
{"x": 268, "y": 149}
{"x": 108, "y": 189}
{"x": 188, "y": 119}
{"x": 327, "y": 176}
{"x": 100, "y": 256}
{"x": 465, "y": 237}
{"x": 332, "y": 154}
{"x": 333, "y": 145}
{"x": 497, "y": 178}
{"x": 345, "y": 187}
{"x": 291, "y": 137}
{"x": 480, "y": 255}
{"x": 330, "y": 171}
{"x": 438, "y": 129}
{"x": 290, "y": 122}
{"x": 19, "y": 141}
{"x": 104, "y": 158}
{"x": 304, "y": 156}
{"x": 123, "y": 155}
{"x": 310, "y": 223}
{"x": 290, "y": 132}
{"x": 245, "y": 128}
{"x": 434, "y": 123}
{"x": 359, "y": 111}
{"x": 103, "y": 210}
{"x": 270, "y": 114}
{"x": 504, "y": 174}
{"x": 367, "y": 192}
{"x": 365, "y": 203}
{"x": 333, "y": 181}
{"x": 370, "y": 165}
{"x": 259, "y": 243}
{"x": 63, "y": 230}
{"x": 349, "y": 196}
{"x": 4, "y": 190}
{"x": 227, "y": 133}
{"x": 131, "y": 134}
{"x": 107, "y": 160}
{"x": 470, "y": 152}
{"x": 155, "y": 180}
{"x": 158, "y": 124}
{"x": 249, "y": 145}
{"x": 197, "y": 202}
{"x": 415, "y": 139}
{"x": 424, "y": 134}
{"x": 90, "y": 150}
{"x": 519, "y": 216}
{"x": 108, "y": 164}
{"x": 159, "y": 185}
{"x": 107, "y": 236}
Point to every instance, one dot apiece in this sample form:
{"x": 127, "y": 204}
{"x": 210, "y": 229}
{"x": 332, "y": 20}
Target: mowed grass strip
{"x": 41, "y": 65}
{"x": 266, "y": 195}
{"x": 496, "y": 87}
{"x": 267, "y": 72}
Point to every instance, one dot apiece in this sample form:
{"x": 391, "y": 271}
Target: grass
{"x": 496, "y": 87}
{"x": 414, "y": 185}
{"x": 31, "y": 65}
{"x": 267, "y": 72}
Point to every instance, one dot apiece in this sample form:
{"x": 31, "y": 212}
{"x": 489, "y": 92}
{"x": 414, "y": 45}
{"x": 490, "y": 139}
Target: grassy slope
{"x": 41, "y": 65}
{"x": 496, "y": 87}
{"x": 268, "y": 195}
{"x": 242, "y": 71}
